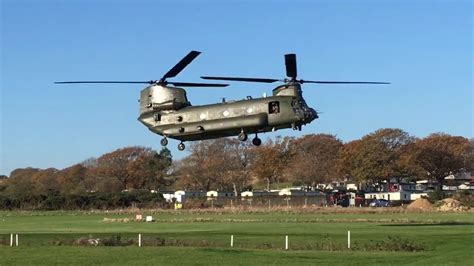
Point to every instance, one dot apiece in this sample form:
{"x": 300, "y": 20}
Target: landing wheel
{"x": 164, "y": 141}
{"x": 243, "y": 136}
{"x": 181, "y": 146}
{"x": 256, "y": 141}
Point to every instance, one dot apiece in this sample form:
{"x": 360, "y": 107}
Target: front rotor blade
{"x": 191, "y": 84}
{"x": 102, "y": 82}
{"x": 181, "y": 65}
{"x": 342, "y": 82}
{"x": 264, "y": 80}
{"x": 290, "y": 63}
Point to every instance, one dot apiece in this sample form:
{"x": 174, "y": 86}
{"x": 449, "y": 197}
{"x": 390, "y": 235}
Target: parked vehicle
{"x": 343, "y": 201}
{"x": 380, "y": 203}
{"x": 337, "y": 197}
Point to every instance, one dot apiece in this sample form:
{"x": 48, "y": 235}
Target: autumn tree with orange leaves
{"x": 270, "y": 161}
{"x": 440, "y": 155}
{"x": 131, "y": 168}
{"x": 377, "y": 156}
{"x": 74, "y": 179}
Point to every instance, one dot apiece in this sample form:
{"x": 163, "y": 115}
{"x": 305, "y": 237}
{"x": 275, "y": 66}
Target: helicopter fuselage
{"x": 166, "y": 111}
{"x": 169, "y": 113}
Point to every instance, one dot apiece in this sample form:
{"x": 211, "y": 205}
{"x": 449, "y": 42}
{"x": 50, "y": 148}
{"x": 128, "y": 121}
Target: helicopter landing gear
{"x": 164, "y": 141}
{"x": 256, "y": 141}
{"x": 242, "y": 136}
{"x": 181, "y": 146}
{"x": 296, "y": 127}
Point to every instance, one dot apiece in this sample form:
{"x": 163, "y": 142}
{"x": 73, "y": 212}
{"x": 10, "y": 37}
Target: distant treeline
{"x": 120, "y": 179}
{"x": 227, "y": 164}
{"x": 86, "y": 201}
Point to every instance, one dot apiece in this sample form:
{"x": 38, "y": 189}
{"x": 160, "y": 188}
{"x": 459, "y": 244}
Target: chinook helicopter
{"x": 166, "y": 111}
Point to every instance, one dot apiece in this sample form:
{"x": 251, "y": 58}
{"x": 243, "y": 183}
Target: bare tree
{"x": 216, "y": 164}
{"x": 314, "y": 159}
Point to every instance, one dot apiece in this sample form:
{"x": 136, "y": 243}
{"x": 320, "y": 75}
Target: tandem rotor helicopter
{"x": 166, "y": 111}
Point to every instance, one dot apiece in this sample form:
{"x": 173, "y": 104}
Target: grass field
{"x": 203, "y": 238}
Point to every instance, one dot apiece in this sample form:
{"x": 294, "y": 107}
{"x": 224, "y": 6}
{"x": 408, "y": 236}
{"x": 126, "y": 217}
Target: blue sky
{"x": 423, "y": 47}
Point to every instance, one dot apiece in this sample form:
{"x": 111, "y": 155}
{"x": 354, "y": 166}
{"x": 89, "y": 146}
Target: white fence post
{"x": 286, "y": 242}
{"x": 349, "y": 239}
{"x": 231, "y": 241}
{"x": 17, "y": 240}
{"x": 139, "y": 240}
{"x": 11, "y": 240}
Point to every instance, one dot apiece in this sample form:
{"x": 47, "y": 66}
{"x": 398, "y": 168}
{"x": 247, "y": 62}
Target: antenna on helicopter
{"x": 291, "y": 73}
{"x": 162, "y": 81}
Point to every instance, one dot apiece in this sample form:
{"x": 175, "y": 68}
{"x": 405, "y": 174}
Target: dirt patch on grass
{"x": 420, "y": 204}
{"x": 117, "y": 220}
{"x": 450, "y": 204}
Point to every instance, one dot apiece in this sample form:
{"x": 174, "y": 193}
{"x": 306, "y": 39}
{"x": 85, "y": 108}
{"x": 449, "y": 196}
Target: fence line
{"x": 156, "y": 239}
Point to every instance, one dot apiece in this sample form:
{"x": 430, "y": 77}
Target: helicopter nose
{"x": 313, "y": 115}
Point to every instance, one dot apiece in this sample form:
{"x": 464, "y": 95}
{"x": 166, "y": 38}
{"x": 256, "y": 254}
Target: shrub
{"x": 156, "y": 242}
{"x": 436, "y": 195}
{"x": 390, "y": 244}
{"x": 116, "y": 240}
{"x": 465, "y": 197}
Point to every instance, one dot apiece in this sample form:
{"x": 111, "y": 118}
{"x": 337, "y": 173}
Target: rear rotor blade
{"x": 181, "y": 65}
{"x": 290, "y": 63}
{"x": 191, "y": 84}
{"x": 264, "y": 80}
{"x": 342, "y": 82}
{"x": 102, "y": 82}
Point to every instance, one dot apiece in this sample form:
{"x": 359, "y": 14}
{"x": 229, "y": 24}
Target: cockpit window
{"x": 274, "y": 107}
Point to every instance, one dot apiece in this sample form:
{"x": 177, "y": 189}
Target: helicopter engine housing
{"x": 288, "y": 90}
{"x": 162, "y": 98}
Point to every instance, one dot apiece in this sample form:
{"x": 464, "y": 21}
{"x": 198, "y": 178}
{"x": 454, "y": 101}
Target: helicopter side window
{"x": 157, "y": 117}
{"x": 274, "y": 107}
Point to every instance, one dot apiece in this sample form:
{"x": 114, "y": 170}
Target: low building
{"x": 466, "y": 186}
{"x": 352, "y": 187}
{"x": 395, "y": 196}
{"x": 393, "y": 187}
{"x": 459, "y": 177}
{"x": 182, "y": 195}
{"x": 285, "y": 192}
{"x": 246, "y": 194}
{"x": 213, "y": 194}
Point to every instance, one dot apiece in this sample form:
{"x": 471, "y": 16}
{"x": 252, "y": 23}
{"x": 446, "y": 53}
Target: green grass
{"x": 258, "y": 238}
